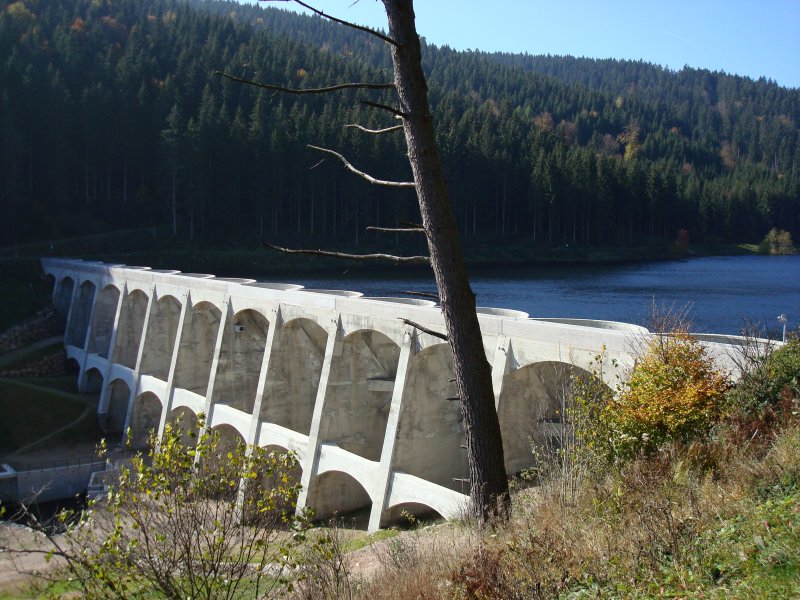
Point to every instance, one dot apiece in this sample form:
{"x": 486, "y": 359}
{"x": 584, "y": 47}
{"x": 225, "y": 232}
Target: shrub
{"x": 582, "y": 452}
{"x": 770, "y": 377}
{"x": 172, "y": 524}
{"x": 777, "y": 241}
{"x": 673, "y": 394}
{"x": 783, "y": 371}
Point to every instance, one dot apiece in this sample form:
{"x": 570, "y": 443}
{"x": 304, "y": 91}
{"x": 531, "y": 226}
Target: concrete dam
{"x": 362, "y": 398}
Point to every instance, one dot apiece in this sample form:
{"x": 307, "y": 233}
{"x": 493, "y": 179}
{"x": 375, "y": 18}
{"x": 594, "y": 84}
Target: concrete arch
{"x": 336, "y": 492}
{"x": 386, "y": 327}
{"x": 196, "y": 351}
{"x": 105, "y": 311}
{"x": 359, "y": 393}
{"x": 72, "y": 366}
{"x": 62, "y": 295}
{"x": 145, "y": 418}
{"x": 119, "y": 398}
{"x": 293, "y": 377}
{"x": 94, "y": 381}
{"x": 130, "y": 328}
{"x": 229, "y": 441}
{"x": 295, "y": 474}
{"x": 430, "y": 430}
{"x": 240, "y": 358}
{"x": 274, "y": 478}
{"x": 79, "y": 324}
{"x": 186, "y": 420}
{"x": 531, "y": 410}
{"x": 159, "y": 340}
{"x": 407, "y": 512}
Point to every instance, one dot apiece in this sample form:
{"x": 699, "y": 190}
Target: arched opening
{"x": 159, "y": 341}
{"x": 129, "y": 330}
{"x": 76, "y": 336}
{"x": 277, "y": 479}
{"x": 360, "y": 394}
{"x": 105, "y": 311}
{"x": 224, "y": 460}
{"x": 72, "y": 367}
{"x": 144, "y": 419}
{"x": 186, "y": 421}
{"x": 430, "y": 435}
{"x": 334, "y": 492}
{"x": 293, "y": 376}
{"x": 240, "y": 358}
{"x": 229, "y": 439}
{"x": 196, "y": 351}
{"x": 410, "y": 514}
{"x": 94, "y": 381}
{"x": 117, "y": 408}
{"x": 533, "y": 403}
{"x": 62, "y": 297}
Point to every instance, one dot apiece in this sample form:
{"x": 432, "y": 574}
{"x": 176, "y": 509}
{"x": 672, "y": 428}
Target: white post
{"x": 333, "y": 347}
{"x": 170, "y": 393}
{"x": 407, "y": 351}
{"x": 212, "y": 376}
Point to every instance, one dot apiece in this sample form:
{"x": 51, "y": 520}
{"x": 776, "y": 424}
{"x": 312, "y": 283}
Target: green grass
{"x": 754, "y": 553}
{"x": 359, "y": 542}
{"x": 31, "y": 411}
{"x": 40, "y": 591}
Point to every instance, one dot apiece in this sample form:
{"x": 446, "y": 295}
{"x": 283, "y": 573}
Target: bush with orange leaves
{"x": 674, "y": 394}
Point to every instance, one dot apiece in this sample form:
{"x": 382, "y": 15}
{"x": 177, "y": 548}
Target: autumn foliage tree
{"x": 674, "y": 394}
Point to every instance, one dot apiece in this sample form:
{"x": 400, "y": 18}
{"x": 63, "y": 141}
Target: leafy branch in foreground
{"x": 210, "y": 520}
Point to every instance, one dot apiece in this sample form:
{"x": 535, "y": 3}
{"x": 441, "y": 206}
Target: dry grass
{"x": 646, "y": 530}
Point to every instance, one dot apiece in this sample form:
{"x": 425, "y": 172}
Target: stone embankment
{"x": 50, "y": 365}
{"x": 46, "y": 324}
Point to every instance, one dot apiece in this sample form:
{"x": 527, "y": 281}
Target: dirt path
{"x": 18, "y": 569}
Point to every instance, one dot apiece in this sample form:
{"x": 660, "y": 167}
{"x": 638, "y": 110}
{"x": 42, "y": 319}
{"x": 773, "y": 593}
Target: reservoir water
{"x": 720, "y": 294}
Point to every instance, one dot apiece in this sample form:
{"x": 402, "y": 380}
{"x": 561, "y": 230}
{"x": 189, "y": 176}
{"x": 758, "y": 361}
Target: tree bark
{"x": 488, "y": 482}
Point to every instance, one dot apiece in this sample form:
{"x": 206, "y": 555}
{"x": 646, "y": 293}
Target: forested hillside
{"x": 111, "y": 117}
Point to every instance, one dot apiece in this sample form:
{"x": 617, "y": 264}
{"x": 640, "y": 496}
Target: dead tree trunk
{"x": 489, "y": 485}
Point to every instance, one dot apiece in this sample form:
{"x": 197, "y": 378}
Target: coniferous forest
{"x": 111, "y": 118}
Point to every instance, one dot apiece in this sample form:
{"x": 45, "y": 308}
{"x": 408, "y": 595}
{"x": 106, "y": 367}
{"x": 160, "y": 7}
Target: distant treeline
{"x": 111, "y": 117}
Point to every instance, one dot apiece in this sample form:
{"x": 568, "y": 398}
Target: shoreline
{"x": 257, "y": 262}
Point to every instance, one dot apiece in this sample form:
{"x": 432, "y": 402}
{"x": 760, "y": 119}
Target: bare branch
{"x": 410, "y": 224}
{"x": 394, "y": 111}
{"x": 322, "y": 90}
{"x": 396, "y": 229}
{"x": 375, "y": 131}
{"x": 423, "y": 329}
{"x": 370, "y": 178}
{"x": 377, "y": 34}
{"x": 400, "y": 260}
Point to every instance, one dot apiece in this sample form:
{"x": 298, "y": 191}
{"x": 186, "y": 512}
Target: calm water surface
{"x": 719, "y": 293}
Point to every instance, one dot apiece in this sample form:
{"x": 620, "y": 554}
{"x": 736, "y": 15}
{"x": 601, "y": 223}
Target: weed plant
{"x": 678, "y": 485}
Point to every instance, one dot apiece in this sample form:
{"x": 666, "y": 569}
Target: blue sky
{"x": 747, "y": 37}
